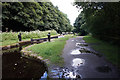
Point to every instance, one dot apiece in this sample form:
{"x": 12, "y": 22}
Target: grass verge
{"x": 109, "y": 50}
{"x": 12, "y": 37}
{"x": 51, "y": 50}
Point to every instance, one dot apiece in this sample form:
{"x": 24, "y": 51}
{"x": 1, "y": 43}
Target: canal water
{"x": 15, "y": 66}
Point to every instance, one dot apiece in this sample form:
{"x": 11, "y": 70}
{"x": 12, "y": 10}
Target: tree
{"x": 101, "y": 19}
{"x": 79, "y": 23}
{"x": 28, "y": 16}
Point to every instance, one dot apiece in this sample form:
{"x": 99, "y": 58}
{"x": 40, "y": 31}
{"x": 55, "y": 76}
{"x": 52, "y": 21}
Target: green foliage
{"x": 51, "y": 50}
{"x": 101, "y": 19}
{"x": 79, "y": 22}
{"x": 29, "y": 16}
{"x": 110, "y": 51}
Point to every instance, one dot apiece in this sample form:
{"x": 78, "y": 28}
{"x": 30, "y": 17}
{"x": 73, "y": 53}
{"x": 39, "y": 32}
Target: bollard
{"x": 19, "y": 37}
{"x": 20, "y": 48}
{"x": 48, "y": 36}
{"x": 32, "y": 41}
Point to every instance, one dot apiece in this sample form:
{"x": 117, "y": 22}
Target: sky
{"x": 66, "y": 7}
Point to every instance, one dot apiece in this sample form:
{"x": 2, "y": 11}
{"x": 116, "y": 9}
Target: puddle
{"x": 72, "y": 40}
{"x": 16, "y": 66}
{"x": 81, "y": 44}
{"x": 83, "y": 50}
{"x": 75, "y": 52}
{"x": 78, "y": 44}
{"x": 104, "y": 69}
{"x": 63, "y": 73}
{"x": 82, "y": 41}
{"x": 78, "y": 62}
{"x": 44, "y": 77}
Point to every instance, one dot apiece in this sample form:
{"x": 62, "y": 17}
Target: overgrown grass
{"x": 51, "y": 50}
{"x": 110, "y": 51}
{"x": 12, "y": 37}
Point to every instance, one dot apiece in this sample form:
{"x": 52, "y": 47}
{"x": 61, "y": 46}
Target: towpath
{"x": 81, "y": 61}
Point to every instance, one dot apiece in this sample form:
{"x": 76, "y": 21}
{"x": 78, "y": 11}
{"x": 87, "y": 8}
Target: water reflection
{"x": 75, "y": 52}
{"x": 78, "y": 62}
{"x": 44, "y": 77}
{"x": 81, "y": 44}
{"x": 16, "y": 66}
{"x": 72, "y": 40}
{"x": 63, "y": 73}
{"x": 86, "y": 51}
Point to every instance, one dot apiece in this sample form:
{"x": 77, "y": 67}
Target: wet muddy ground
{"x": 81, "y": 61}
{"x": 15, "y": 66}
